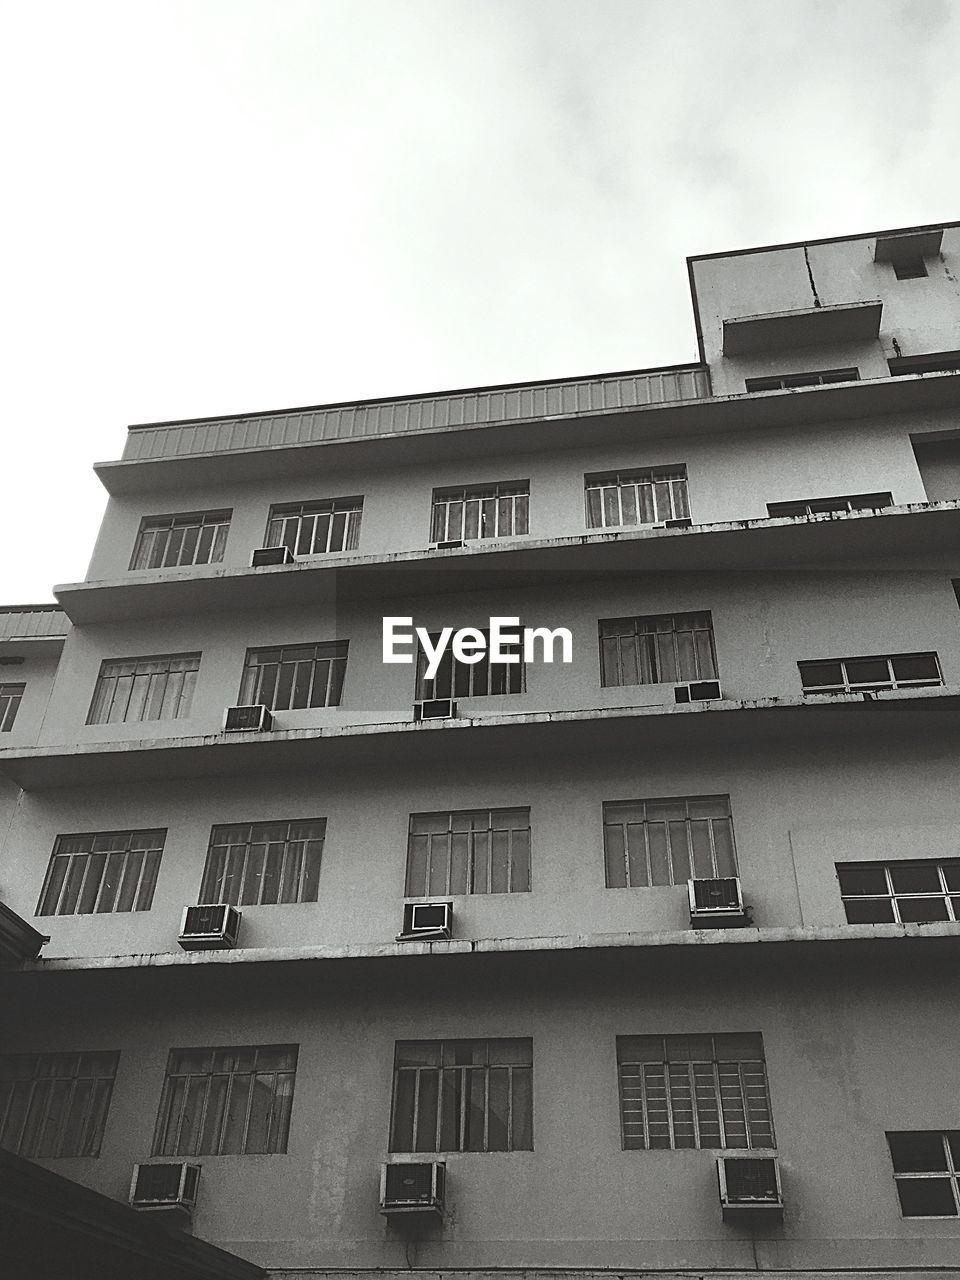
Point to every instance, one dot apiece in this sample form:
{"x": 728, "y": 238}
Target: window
{"x": 912, "y": 268}
{"x": 649, "y": 496}
{"x": 783, "y": 381}
{"x": 54, "y": 1105}
{"x": 663, "y": 842}
{"x": 926, "y": 1170}
{"x": 823, "y": 506}
{"x": 108, "y": 871}
{"x": 197, "y": 537}
{"x": 226, "y": 1102}
{"x": 130, "y": 689}
{"x": 900, "y": 892}
{"x": 462, "y": 1095}
{"x": 313, "y": 528}
{"x": 931, "y": 362}
{"x": 474, "y": 851}
{"x": 481, "y": 511}
{"x": 264, "y": 862}
{"x": 855, "y": 675}
{"x": 295, "y": 676}
{"x": 10, "y": 695}
{"x": 693, "y": 1091}
{"x": 664, "y": 649}
{"x": 471, "y": 680}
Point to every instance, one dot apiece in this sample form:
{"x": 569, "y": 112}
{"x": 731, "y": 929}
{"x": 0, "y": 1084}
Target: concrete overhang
{"x": 917, "y": 535}
{"x": 18, "y": 940}
{"x": 641, "y": 731}
{"x": 807, "y": 327}
{"x": 898, "y": 246}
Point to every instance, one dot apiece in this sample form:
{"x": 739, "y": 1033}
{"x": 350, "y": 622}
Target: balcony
{"x": 26, "y": 630}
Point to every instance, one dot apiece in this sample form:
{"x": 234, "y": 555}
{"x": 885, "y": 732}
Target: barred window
{"x": 481, "y": 511}
{"x": 648, "y": 496}
{"x": 462, "y": 1095}
{"x": 10, "y": 695}
{"x": 106, "y": 871}
{"x": 313, "y": 528}
{"x": 663, "y": 842}
{"x": 900, "y": 892}
{"x": 693, "y": 1091}
{"x": 54, "y": 1105}
{"x": 474, "y": 851}
{"x": 291, "y": 677}
{"x": 226, "y": 1102}
{"x": 471, "y": 680}
{"x": 783, "y": 381}
{"x": 130, "y": 689}
{"x": 926, "y": 1171}
{"x": 855, "y": 675}
{"x": 666, "y": 648}
{"x": 826, "y": 506}
{"x": 195, "y": 537}
{"x": 264, "y": 862}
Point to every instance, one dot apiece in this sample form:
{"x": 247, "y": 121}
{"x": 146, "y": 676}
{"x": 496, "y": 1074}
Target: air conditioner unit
{"x": 715, "y": 904}
{"x": 271, "y": 555}
{"x": 426, "y": 920}
{"x": 679, "y": 522}
{"x": 170, "y": 1189}
{"x": 449, "y": 544}
{"x": 697, "y": 691}
{"x": 435, "y": 709}
{"x": 409, "y": 1187}
{"x": 252, "y": 719}
{"x": 209, "y": 927}
{"x": 749, "y": 1188}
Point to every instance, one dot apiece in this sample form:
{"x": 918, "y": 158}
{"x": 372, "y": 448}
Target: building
{"x": 756, "y": 556}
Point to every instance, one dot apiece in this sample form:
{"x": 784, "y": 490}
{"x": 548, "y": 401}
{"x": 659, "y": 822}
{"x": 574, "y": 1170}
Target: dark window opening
{"x": 825, "y": 506}
{"x": 784, "y": 381}
{"x": 912, "y": 268}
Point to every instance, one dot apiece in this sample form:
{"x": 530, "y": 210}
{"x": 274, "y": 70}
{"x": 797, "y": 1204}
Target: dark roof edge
{"x": 799, "y": 244}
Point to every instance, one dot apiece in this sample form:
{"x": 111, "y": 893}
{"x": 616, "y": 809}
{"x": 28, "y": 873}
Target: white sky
{"x": 223, "y": 205}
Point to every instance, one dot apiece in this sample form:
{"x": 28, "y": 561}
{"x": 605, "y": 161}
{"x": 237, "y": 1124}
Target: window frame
{"x": 653, "y": 650}
{"x": 625, "y": 857}
{"x": 871, "y": 686}
{"x": 218, "y": 520}
{"x": 11, "y": 696}
{"x": 842, "y": 504}
{"x": 669, "y": 496}
{"x": 453, "y": 675}
{"x": 514, "y": 493}
{"x": 76, "y": 886}
{"x": 278, "y": 534}
{"x": 950, "y": 1173}
{"x": 788, "y": 381}
{"x": 518, "y": 858}
{"x": 183, "y": 699}
{"x": 306, "y": 876}
{"x": 94, "y": 1110}
{"x": 949, "y": 897}
{"x": 252, "y": 679}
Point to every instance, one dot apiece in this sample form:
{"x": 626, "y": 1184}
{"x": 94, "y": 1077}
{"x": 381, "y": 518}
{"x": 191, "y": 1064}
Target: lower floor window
{"x": 926, "y": 1169}
{"x": 55, "y": 1104}
{"x": 264, "y": 862}
{"x": 871, "y": 675}
{"x": 661, "y": 842}
{"x": 104, "y": 871}
{"x": 10, "y": 697}
{"x": 900, "y": 892}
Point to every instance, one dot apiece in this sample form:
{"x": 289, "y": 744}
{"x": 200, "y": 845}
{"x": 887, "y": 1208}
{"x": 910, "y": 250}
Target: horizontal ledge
{"x": 804, "y": 327}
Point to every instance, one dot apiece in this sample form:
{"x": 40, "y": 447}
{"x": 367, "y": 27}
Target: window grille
{"x": 781, "y": 382}
{"x": 823, "y": 506}
{"x": 668, "y": 842}
{"x": 474, "y": 851}
{"x": 900, "y": 892}
{"x": 694, "y": 1091}
{"x": 648, "y": 496}
{"x": 107, "y": 871}
{"x": 196, "y": 537}
{"x": 10, "y": 696}
{"x": 661, "y": 649}
{"x": 926, "y": 1171}
{"x": 314, "y": 528}
{"x": 54, "y": 1105}
{"x": 462, "y": 1095}
{"x": 471, "y": 680}
{"x": 855, "y": 675}
{"x": 295, "y": 676}
{"x": 223, "y": 1102}
{"x": 131, "y": 689}
{"x": 481, "y": 511}
{"x": 264, "y": 862}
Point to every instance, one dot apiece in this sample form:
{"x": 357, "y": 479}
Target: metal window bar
{"x": 54, "y": 1105}
{"x": 294, "y": 677}
{"x": 830, "y": 506}
{"x": 950, "y": 1173}
{"x": 626, "y": 498}
{"x": 136, "y": 689}
{"x": 659, "y": 649}
{"x": 103, "y": 872}
{"x": 471, "y": 680}
{"x": 195, "y": 537}
{"x": 471, "y": 851}
{"x": 481, "y": 511}
{"x": 10, "y": 696}
{"x": 943, "y": 901}
{"x": 870, "y": 674}
{"x": 668, "y": 841}
{"x": 781, "y": 382}
{"x": 250, "y": 864}
{"x": 316, "y": 528}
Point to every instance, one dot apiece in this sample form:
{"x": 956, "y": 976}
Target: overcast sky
{"x": 214, "y": 206}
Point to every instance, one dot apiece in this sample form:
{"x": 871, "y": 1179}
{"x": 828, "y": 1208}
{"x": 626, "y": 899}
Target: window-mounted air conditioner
{"x": 252, "y": 719}
{"x": 697, "y": 691}
{"x": 715, "y": 904}
{"x": 412, "y": 1187}
{"x": 749, "y": 1187}
{"x": 166, "y": 1188}
{"x": 435, "y": 709}
{"x": 449, "y": 544}
{"x": 678, "y": 522}
{"x": 209, "y": 926}
{"x": 271, "y": 555}
{"x": 426, "y": 920}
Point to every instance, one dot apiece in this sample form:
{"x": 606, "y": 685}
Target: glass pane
{"x": 817, "y": 674}
{"x": 613, "y": 853}
{"x": 922, "y": 910}
{"x": 868, "y": 671}
{"x": 232, "y": 1142}
{"x": 425, "y": 1138}
{"x": 659, "y": 859}
{"x": 917, "y": 666}
{"x": 917, "y": 1152}
{"x": 915, "y": 878}
{"x": 869, "y": 910}
{"x": 926, "y": 1197}
{"x": 861, "y": 880}
{"x": 403, "y": 1095}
